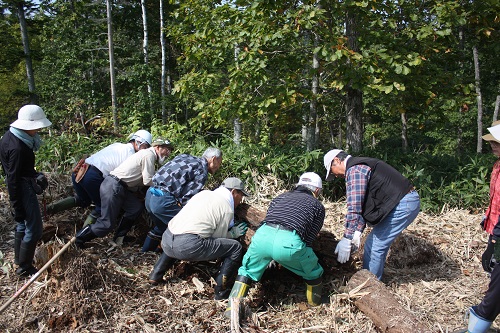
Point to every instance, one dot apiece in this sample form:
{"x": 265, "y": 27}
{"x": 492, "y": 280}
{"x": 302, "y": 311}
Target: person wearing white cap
{"x": 89, "y": 174}
{"x": 292, "y": 223}
{"x": 377, "y": 195}
{"x": 123, "y": 189}
{"x": 482, "y": 316}
{"x": 17, "y": 154}
{"x": 204, "y": 230}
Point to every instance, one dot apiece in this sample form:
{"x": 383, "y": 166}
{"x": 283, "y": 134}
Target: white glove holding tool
{"x": 343, "y": 250}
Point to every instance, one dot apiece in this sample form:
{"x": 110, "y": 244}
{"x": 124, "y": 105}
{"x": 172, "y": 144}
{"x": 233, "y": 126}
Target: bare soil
{"x": 433, "y": 269}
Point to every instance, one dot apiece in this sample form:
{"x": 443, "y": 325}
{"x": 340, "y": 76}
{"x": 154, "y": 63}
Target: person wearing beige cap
{"x": 17, "y": 154}
{"x": 89, "y": 174}
{"x": 204, "y": 230}
{"x": 121, "y": 190}
{"x": 377, "y": 195}
{"x": 482, "y": 316}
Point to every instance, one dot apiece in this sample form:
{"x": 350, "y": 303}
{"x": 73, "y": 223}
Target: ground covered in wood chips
{"x": 433, "y": 269}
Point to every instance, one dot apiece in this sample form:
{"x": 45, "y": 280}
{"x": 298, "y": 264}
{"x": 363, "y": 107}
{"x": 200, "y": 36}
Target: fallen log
{"x": 378, "y": 303}
{"x": 252, "y": 215}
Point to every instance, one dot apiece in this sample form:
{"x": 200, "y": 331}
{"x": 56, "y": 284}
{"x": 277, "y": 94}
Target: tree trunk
{"x": 145, "y": 51}
{"x": 237, "y": 131}
{"x": 236, "y": 121}
{"x": 312, "y": 126}
{"x": 112, "y": 64}
{"x": 27, "y": 53}
{"x": 497, "y": 106}
{"x": 164, "y": 115}
{"x": 479, "y": 101}
{"x": 404, "y": 133}
{"x": 354, "y": 97}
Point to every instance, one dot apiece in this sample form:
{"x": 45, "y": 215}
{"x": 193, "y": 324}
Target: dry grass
{"x": 434, "y": 271}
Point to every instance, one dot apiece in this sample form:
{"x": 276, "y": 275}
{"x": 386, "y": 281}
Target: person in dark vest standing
{"x": 17, "y": 154}
{"x": 377, "y": 195}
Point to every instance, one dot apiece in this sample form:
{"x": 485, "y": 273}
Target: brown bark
{"x": 381, "y": 306}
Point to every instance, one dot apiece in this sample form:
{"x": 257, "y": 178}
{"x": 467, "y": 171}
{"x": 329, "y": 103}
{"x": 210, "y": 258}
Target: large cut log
{"x": 252, "y": 215}
{"x": 378, "y": 303}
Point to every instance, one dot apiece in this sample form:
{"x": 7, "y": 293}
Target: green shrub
{"x": 442, "y": 181}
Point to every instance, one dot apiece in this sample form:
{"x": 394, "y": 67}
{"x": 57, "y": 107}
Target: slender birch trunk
{"x": 112, "y": 64}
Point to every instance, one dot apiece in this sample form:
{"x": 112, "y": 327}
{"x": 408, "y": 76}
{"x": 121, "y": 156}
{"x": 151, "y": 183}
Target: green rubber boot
{"x": 89, "y": 220}
{"x": 240, "y": 290}
{"x": 313, "y": 292}
{"x": 61, "y": 205}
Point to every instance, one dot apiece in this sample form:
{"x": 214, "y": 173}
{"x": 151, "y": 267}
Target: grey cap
{"x": 234, "y": 183}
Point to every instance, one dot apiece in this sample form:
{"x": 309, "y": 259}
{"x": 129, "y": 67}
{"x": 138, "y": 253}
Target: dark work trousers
{"x": 32, "y": 226}
{"x": 114, "y": 198}
{"x": 490, "y": 305}
{"x": 191, "y": 247}
{"x": 88, "y": 189}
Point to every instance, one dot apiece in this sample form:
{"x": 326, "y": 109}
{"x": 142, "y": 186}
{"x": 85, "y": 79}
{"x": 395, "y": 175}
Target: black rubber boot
{"x": 151, "y": 243}
{"x": 227, "y": 270}
{"x": 18, "y": 238}
{"x": 124, "y": 227}
{"x": 163, "y": 264}
{"x": 61, "y": 205}
{"x": 26, "y": 255}
{"x": 84, "y": 236}
{"x": 313, "y": 291}
{"x": 240, "y": 290}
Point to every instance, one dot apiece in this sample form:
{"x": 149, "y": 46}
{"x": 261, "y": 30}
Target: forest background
{"x": 274, "y": 84}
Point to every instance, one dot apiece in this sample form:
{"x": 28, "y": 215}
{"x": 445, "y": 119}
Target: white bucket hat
{"x": 494, "y": 134}
{"x": 31, "y": 117}
{"x": 310, "y": 178}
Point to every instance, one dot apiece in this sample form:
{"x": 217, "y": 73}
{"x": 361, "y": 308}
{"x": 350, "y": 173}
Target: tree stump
{"x": 378, "y": 303}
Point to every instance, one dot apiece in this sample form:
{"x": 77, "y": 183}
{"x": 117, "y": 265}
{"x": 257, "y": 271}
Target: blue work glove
{"x": 343, "y": 250}
{"x": 238, "y": 230}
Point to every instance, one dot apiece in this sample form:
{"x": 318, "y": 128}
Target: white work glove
{"x": 238, "y": 230}
{"x": 356, "y": 241}
{"x": 343, "y": 250}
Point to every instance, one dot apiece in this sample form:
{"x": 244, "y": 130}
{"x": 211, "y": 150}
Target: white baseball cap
{"x": 31, "y": 117}
{"x": 310, "y": 178}
{"x": 327, "y": 160}
{"x": 142, "y": 136}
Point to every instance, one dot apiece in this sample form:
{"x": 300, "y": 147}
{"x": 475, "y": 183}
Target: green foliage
{"x": 445, "y": 181}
